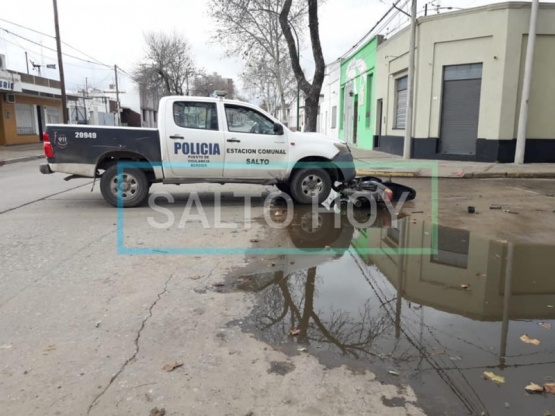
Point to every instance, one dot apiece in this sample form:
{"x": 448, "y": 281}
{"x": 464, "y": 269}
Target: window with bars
{"x": 401, "y": 102}
{"x": 25, "y": 119}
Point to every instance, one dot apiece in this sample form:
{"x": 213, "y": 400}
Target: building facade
{"x": 27, "y": 104}
{"x": 468, "y": 79}
{"x": 357, "y": 104}
{"x": 329, "y": 101}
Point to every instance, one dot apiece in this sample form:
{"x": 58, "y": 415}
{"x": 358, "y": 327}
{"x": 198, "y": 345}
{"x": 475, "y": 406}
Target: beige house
{"x": 469, "y": 70}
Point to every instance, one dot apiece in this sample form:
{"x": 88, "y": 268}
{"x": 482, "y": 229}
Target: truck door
{"x": 252, "y": 148}
{"x": 194, "y": 141}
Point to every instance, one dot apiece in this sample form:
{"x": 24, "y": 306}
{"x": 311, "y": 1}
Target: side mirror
{"x": 278, "y": 129}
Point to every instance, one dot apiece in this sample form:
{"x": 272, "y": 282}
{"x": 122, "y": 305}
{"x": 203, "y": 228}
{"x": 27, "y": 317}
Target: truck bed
{"x": 85, "y": 145}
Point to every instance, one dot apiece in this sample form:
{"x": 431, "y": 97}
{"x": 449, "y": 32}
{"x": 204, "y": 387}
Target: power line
{"x": 54, "y": 37}
{"x": 51, "y": 49}
{"x": 356, "y": 45}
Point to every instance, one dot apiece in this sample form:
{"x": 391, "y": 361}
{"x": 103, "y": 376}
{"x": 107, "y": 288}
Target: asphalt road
{"x": 85, "y": 330}
{"x": 88, "y": 322}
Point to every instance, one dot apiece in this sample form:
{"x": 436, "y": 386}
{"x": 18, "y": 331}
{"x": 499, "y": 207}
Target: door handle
{"x": 234, "y": 140}
{"x": 176, "y": 136}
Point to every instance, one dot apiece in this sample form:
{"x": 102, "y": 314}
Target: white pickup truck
{"x": 200, "y": 139}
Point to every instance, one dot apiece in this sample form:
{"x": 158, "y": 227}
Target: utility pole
{"x": 85, "y": 100}
{"x": 526, "y": 86}
{"x": 27, "y": 62}
{"x": 60, "y": 63}
{"x": 118, "y": 119}
{"x": 410, "y": 85}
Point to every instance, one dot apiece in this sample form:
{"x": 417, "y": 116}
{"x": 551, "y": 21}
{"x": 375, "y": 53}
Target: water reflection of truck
{"x": 311, "y": 238}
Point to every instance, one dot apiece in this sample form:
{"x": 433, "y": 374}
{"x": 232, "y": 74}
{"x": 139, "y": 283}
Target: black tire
{"x": 136, "y": 188}
{"x": 310, "y": 183}
{"x": 284, "y": 187}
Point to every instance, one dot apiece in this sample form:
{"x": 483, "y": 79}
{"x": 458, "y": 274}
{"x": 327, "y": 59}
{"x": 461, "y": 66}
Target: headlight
{"x": 342, "y": 147}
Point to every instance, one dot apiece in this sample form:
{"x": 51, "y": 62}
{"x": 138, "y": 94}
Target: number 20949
{"x": 85, "y": 135}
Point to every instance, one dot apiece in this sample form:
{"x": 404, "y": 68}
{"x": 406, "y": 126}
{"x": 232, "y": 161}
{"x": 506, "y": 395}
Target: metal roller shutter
{"x": 460, "y": 108}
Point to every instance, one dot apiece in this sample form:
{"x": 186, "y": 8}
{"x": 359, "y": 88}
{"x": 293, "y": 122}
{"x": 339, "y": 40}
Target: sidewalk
{"x": 20, "y": 153}
{"x": 374, "y": 163}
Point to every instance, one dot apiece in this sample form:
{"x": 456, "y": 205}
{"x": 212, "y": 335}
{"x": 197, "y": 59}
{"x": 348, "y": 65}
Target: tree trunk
{"x": 311, "y": 90}
{"x": 311, "y": 113}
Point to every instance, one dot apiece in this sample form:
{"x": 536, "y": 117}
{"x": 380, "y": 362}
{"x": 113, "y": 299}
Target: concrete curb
{"x": 516, "y": 175}
{"x": 469, "y": 175}
{"x": 397, "y": 174}
{"x": 19, "y": 159}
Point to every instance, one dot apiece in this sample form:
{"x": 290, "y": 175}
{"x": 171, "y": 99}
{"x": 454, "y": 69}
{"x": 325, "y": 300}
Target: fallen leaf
{"x": 438, "y": 352}
{"x": 534, "y": 388}
{"x": 172, "y": 366}
{"x": 465, "y": 286}
{"x": 526, "y": 339}
{"x": 294, "y": 331}
{"x": 302, "y": 349}
{"x": 549, "y": 388}
{"x": 393, "y": 373}
{"x": 455, "y": 358}
{"x": 494, "y": 377}
{"x": 545, "y": 325}
{"x": 327, "y": 247}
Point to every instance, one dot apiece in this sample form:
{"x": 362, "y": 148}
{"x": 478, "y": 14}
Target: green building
{"x": 357, "y": 104}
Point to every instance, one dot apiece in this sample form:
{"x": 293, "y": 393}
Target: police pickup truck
{"x": 199, "y": 139}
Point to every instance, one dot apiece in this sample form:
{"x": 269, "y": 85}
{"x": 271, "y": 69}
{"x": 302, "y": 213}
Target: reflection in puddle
{"x": 435, "y": 320}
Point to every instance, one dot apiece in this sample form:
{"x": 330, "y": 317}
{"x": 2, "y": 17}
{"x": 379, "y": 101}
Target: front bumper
{"x": 45, "y": 169}
{"x": 345, "y": 164}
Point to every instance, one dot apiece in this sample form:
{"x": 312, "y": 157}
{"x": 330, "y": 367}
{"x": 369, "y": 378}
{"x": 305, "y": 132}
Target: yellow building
{"x": 469, "y": 71}
{"x": 27, "y": 104}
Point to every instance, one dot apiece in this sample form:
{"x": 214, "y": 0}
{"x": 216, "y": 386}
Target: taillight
{"x": 388, "y": 195}
{"x": 47, "y": 146}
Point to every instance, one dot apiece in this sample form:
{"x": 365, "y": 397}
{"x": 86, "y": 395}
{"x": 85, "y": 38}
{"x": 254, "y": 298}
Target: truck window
{"x": 246, "y": 120}
{"x": 193, "y": 115}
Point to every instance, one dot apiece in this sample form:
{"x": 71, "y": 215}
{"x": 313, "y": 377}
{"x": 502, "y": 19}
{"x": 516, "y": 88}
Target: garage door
{"x": 461, "y": 109}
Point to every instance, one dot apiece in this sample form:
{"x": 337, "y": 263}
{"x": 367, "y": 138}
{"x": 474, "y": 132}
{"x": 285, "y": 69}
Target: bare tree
{"x": 259, "y": 82}
{"x": 251, "y": 30}
{"x": 311, "y": 90}
{"x": 167, "y": 66}
{"x": 204, "y": 85}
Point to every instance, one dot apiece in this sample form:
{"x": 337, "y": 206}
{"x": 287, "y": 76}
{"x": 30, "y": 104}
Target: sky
{"x": 110, "y": 32}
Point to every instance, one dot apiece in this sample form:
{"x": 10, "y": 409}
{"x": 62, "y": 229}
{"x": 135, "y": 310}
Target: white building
{"x": 328, "y": 115}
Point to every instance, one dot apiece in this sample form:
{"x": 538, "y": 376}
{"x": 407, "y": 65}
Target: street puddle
{"x": 417, "y": 304}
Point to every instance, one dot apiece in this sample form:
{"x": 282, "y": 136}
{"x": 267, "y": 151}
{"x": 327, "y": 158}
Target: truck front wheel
{"x": 132, "y": 184}
{"x": 311, "y": 183}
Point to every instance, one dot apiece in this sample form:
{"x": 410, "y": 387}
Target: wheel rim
{"x": 129, "y": 186}
{"x": 312, "y": 185}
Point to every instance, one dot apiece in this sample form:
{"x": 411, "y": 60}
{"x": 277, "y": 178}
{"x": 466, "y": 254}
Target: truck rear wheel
{"x": 133, "y": 185}
{"x": 311, "y": 183}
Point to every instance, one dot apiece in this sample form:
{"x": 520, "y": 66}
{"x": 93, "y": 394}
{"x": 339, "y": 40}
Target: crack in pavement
{"x": 137, "y": 347}
{"x": 43, "y": 198}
